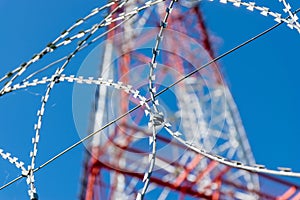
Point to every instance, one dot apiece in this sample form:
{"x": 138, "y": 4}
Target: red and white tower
{"x": 128, "y": 160}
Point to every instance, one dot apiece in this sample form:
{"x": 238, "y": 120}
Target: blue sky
{"x": 263, "y": 77}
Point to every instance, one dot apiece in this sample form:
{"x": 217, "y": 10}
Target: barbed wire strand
{"x": 50, "y": 47}
{"x": 124, "y": 17}
{"x": 156, "y": 118}
{"x": 30, "y": 177}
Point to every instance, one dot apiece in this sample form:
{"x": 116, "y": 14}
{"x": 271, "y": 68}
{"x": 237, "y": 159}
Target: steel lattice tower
{"x": 200, "y": 109}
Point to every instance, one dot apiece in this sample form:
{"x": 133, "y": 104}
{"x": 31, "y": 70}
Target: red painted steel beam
{"x": 189, "y": 190}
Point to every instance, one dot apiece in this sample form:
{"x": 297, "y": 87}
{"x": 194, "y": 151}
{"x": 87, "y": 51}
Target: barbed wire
{"x": 52, "y": 46}
{"x": 143, "y": 102}
{"x": 13, "y": 160}
{"x": 156, "y": 117}
{"x": 293, "y": 18}
{"x": 30, "y": 179}
{"x": 292, "y": 21}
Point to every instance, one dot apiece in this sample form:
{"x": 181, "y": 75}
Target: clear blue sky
{"x": 263, "y": 78}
